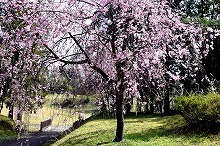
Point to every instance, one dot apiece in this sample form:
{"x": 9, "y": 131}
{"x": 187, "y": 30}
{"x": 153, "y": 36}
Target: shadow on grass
{"x": 78, "y": 140}
{"x": 85, "y": 137}
{"x": 146, "y": 135}
{"x": 173, "y": 127}
{"x": 131, "y": 115}
{"x": 101, "y": 143}
{"x": 170, "y": 127}
{"x": 132, "y": 121}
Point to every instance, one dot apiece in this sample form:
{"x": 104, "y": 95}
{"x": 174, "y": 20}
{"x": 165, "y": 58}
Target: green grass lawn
{"x": 7, "y": 130}
{"x": 139, "y": 130}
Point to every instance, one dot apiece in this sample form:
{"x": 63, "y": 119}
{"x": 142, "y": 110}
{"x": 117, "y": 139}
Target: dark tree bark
{"x": 146, "y": 99}
{"x": 167, "y": 101}
{"x": 119, "y": 103}
{"x": 147, "y": 105}
{"x": 212, "y": 61}
{"x": 141, "y": 100}
{"x": 119, "y": 116}
{"x": 127, "y": 108}
{"x": 19, "y": 115}
{"x": 1, "y": 107}
{"x": 11, "y": 111}
{"x": 152, "y": 103}
{"x": 15, "y": 58}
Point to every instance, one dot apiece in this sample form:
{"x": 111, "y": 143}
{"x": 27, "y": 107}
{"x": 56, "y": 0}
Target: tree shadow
{"x": 101, "y": 143}
{"x": 78, "y": 140}
{"x": 146, "y": 135}
{"x": 173, "y": 128}
{"x": 166, "y": 126}
{"x": 205, "y": 130}
{"x": 81, "y": 138}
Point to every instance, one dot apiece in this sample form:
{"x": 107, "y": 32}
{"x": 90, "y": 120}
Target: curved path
{"x": 40, "y": 138}
{"x": 37, "y": 139}
{"x": 33, "y": 140}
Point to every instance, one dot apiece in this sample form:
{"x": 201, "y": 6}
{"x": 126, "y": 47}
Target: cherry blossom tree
{"x": 21, "y": 54}
{"x": 123, "y": 39}
{"x": 119, "y": 39}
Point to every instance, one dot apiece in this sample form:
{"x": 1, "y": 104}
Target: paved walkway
{"x": 37, "y": 139}
{"x": 40, "y": 138}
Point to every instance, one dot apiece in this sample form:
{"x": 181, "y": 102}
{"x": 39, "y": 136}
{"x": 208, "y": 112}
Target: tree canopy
{"x": 120, "y": 40}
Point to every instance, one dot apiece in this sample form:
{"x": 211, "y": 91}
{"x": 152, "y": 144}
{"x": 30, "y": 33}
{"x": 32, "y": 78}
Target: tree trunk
{"x": 11, "y": 111}
{"x": 119, "y": 90}
{"x": 146, "y": 98}
{"x": 19, "y": 114}
{"x": 147, "y": 105}
{"x": 119, "y": 116}
{"x": 141, "y": 100}
{"x": 152, "y": 103}
{"x": 167, "y": 101}
{"x": 2, "y": 103}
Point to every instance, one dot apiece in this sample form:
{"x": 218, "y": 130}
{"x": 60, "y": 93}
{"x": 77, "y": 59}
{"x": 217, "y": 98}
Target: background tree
{"x": 21, "y": 55}
{"x": 199, "y": 8}
{"x": 206, "y": 13}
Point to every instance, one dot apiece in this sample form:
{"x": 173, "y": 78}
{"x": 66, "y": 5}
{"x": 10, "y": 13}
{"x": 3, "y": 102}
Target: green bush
{"x": 6, "y": 123}
{"x": 199, "y": 109}
{"x": 7, "y": 127}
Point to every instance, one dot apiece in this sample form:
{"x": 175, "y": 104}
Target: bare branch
{"x": 80, "y": 47}
{"x": 65, "y": 61}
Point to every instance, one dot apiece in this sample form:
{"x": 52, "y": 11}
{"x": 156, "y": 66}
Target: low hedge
{"x": 199, "y": 109}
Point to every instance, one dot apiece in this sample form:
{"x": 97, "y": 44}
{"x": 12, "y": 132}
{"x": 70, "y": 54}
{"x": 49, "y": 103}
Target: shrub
{"x": 7, "y": 128}
{"x": 199, "y": 109}
{"x": 6, "y": 123}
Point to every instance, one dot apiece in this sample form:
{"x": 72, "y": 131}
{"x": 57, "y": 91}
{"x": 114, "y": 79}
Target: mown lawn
{"x": 139, "y": 130}
{"x": 7, "y": 128}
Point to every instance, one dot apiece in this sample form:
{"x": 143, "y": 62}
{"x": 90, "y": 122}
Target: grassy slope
{"x": 141, "y": 131}
{"x": 64, "y": 116}
{"x": 6, "y": 128}
{"x": 60, "y": 117}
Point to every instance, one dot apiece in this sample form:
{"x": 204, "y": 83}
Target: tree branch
{"x": 80, "y": 47}
{"x": 93, "y": 66}
{"x": 65, "y": 61}
{"x": 87, "y": 60}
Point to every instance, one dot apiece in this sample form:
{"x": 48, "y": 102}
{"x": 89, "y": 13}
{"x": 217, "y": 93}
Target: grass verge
{"x": 139, "y": 130}
{"x": 7, "y": 129}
